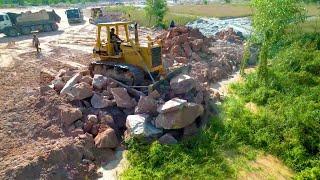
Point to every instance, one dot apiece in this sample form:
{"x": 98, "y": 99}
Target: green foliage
{"x": 139, "y": 15}
{"x": 205, "y": 2}
{"x": 156, "y": 9}
{"x": 289, "y": 123}
{"x": 270, "y": 30}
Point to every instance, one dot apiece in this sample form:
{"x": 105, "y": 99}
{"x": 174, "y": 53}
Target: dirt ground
{"x": 20, "y": 67}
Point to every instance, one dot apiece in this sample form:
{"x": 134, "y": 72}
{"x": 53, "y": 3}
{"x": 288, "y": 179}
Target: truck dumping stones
{"x": 27, "y": 22}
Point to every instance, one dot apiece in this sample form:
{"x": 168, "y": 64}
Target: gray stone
{"x": 139, "y": 126}
{"x": 167, "y": 139}
{"x": 93, "y": 119}
{"x": 179, "y": 118}
{"x": 71, "y": 82}
{"x": 99, "y": 81}
{"x": 100, "y": 101}
{"x": 172, "y": 105}
{"x": 182, "y": 84}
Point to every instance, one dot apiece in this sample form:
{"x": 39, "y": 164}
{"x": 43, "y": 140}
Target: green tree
{"x": 270, "y": 21}
{"x": 156, "y": 9}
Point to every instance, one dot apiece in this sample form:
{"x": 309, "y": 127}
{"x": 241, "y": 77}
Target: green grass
{"x": 216, "y": 10}
{"x": 228, "y": 10}
{"x": 210, "y": 155}
{"x": 138, "y": 15}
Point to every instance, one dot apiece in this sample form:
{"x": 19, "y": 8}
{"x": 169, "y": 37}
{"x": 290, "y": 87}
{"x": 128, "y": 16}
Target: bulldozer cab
{"x": 105, "y": 46}
{"x": 96, "y": 12}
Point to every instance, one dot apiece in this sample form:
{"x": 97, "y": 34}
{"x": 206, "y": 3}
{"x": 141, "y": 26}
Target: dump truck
{"x": 74, "y": 15}
{"x": 13, "y": 24}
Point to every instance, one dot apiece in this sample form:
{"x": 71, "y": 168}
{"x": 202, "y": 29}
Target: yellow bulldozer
{"x": 127, "y": 60}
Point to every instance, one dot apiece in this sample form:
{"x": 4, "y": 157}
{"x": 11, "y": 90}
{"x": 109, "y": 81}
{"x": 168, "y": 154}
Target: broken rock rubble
{"x": 106, "y": 111}
{"x": 182, "y": 45}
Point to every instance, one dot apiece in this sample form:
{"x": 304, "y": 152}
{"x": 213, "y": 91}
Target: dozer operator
{"x": 128, "y": 60}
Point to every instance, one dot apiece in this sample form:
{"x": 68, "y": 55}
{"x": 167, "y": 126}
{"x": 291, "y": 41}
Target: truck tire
{"x": 47, "y": 28}
{"x": 54, "y": 27}
{"x": 11, "y": 32}
{"x": 25, "y": 30}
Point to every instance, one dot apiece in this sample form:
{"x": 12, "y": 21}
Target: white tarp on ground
{"x": 210, "y": 26}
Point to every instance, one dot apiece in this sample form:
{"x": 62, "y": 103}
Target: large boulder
{"x": 80, "y": 91}
{"x": 99, "y": 81}
{"x": 180, "y": 118}
{"x": 138, "y": 126}
{"x": 106, "y": 139}
{"x": 182, "y": 84}
{"x": 71, "y": 82}
{"x": 100, "y": 101}
{"x": 122, "y": 98}
{"x": 69, "y": 115}
{"x": 172, "y": 105}
{"x": 146, "y": 105}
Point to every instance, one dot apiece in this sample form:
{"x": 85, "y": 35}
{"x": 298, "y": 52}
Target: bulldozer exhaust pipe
{"x": 136, "y": 35}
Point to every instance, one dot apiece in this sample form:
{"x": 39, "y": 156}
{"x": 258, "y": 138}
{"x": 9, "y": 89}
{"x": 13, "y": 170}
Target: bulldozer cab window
{"x": 103, "y": 35}
{"x": 115, "y": 33}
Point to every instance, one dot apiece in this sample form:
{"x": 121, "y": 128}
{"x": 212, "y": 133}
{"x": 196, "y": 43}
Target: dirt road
{"x": 20, "y": 66}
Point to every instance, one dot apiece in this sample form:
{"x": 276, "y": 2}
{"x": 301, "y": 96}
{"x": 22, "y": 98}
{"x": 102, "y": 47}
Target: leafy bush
{"x": 289, "y": 125}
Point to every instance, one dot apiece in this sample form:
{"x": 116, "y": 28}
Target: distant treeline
{"x": 41, "y": 2}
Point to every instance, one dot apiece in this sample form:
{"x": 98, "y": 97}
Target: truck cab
{"x": 74, "y": 15}
{"x": 4, "y": 21}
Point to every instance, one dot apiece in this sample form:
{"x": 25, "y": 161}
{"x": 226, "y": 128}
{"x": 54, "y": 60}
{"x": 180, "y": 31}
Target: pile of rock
{"x": 212, "y": 59}
{"x": 230, "y": 35}
{"x": 109, "y": 112}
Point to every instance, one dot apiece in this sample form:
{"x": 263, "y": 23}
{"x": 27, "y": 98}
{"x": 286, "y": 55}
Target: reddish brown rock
{"x": 106, "y": 139}
{"x": 100, "y": 101}
{"x": 197, "y": 44}
{"x": 182, "y": 60}
{"x": 146, "y": 105}
{"x": 187, "y": 49}
{"x": 195, "y": 57}
{"x": 69, "y": 115}
{"x": 80, "y": 91}
{"x": 122, "y": 98}
{"x": 86, "y": 79}
{"x": 182, "y": 84}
